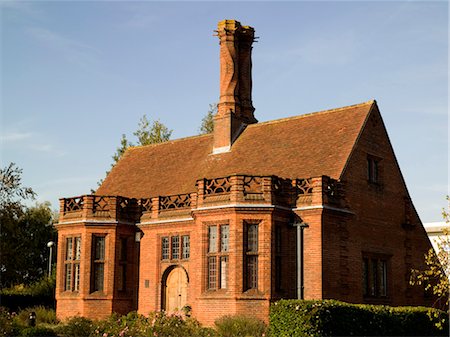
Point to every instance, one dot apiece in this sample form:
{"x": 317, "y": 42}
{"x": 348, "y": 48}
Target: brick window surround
{"x": 72, "y": 263}
{"x": 217, "y": 256}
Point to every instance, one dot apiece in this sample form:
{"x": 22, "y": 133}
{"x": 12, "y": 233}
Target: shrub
{"x": 43, "y": 315}
{"x": 156, "y": 324}
{"x": 41, "y": 292}
{"x": 240, "y": 326}
{"x": 76, "y": 327}
{"x": 38, "y": 331}
{"x": 8, "y": 325}
{"x": 334, "y": 318}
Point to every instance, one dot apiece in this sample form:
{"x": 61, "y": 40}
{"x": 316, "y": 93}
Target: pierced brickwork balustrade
{"x": 236, "y": 189}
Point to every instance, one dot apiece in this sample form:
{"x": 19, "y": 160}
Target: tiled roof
{"x": 298, "y": 147}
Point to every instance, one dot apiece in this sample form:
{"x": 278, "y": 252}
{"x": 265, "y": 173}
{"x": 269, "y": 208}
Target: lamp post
{"x": 50, "y": 245}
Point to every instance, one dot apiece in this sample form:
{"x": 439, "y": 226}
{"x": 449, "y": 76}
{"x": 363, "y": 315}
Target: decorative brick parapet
{"x": 235, "y": 189}
{"x": 95, "y": 207}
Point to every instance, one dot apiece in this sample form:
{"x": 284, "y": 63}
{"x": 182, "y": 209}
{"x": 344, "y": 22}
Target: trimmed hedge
{"x": 333, "y": 318}
{"x": 17, "y": 301}
{"x": 21, "y": 296}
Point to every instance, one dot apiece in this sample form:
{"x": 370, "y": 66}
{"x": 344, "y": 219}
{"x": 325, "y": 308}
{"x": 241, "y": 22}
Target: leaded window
{"x": 98, "y": 262}
{"x": 175, "y": 247}
{"x": 212, "y": 273}
{"x": 375, "y": 275}
{"x": 165, "y": 248}
{"x": 212, "y": 242}
{"x": 72, "y": 264}
{"x": 251, "y": 256}
{"x": 186, "y": 247}
{"x": 217, "y": 259}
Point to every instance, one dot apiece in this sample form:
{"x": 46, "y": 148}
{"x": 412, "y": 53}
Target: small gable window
{"x": 373, "y": 169}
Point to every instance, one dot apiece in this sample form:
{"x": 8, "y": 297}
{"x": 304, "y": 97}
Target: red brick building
{"x": 313, "y": 207}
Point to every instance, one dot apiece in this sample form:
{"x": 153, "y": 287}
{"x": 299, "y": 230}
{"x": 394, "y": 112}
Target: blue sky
{"x": 76, "y": 75}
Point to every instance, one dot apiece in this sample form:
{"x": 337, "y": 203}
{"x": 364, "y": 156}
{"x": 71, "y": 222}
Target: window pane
{"x": 98, "y": 276}
{"x": 99, "y": 247}
{"x": 69, "y": 248}
{"x": 365, "y": 277}
{"x": 223, "y": 271}
{"x": 186, "y": 247}
{"x": 212, "y": 246}
{"x": 224, "y": 238}
{"x": 68, "y": 278}
{"x": 165, "y": 248}
{"x": 77, "y": 248}
{"x": 252, "y": 272}
{"x": 76, "y": 277}
{"x": 212, "y": 273}
{"x": 374, "y": 285}
{"x": 252, "y": 237}
{"x": 175, "y": 247}
{"x": 383, "y": 278}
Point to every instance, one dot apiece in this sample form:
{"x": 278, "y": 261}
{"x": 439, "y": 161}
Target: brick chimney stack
{"x": 235, "y": 108}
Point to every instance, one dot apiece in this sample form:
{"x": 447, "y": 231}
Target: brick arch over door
{"x": 175, "y": 282}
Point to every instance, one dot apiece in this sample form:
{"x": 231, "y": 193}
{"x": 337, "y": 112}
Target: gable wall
{"x": 375, "y": 227}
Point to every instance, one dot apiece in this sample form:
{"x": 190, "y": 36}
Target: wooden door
{"x": 176, "y": 290}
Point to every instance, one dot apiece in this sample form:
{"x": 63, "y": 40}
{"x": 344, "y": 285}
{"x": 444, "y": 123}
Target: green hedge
{"x": 334, "y": 318}
{"x": 41, "y": 292}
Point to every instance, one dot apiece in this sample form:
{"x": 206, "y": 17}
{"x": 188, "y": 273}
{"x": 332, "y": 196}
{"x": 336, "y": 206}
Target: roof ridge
{"x": 263, "y": 123}
{"x": 309, "y": 114}
{"x": 169, "y": 141}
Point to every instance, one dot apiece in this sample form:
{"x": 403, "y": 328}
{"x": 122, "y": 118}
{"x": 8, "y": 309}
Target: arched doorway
{"x": 175, "y": 281}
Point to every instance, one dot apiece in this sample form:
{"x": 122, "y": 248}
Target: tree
{"x": 435, "y": 278}
{"x": 147, "y": 133}
{"x": 208, "y": 121}
{"x": 124, "y": 145}
{"x": 25, "y": 231}
{"x": 11, "y": 186}
{"x": 156, "y": 133}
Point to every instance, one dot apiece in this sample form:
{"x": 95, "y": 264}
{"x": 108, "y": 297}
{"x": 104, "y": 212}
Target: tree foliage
{"x": 11, "y": 189}
{"x": 146, "y": 134}
{"x": 436, "y": 274}
{"x": 25, "y": 231}
{"x": 151, "y": 134}
{"x": 208, "y": 121}
{"x": 124, "y": 145}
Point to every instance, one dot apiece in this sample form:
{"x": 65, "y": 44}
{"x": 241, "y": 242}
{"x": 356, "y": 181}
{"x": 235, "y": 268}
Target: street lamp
{"x": 50, "y": 245}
